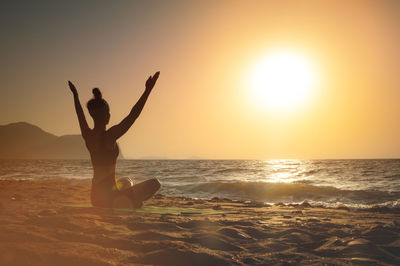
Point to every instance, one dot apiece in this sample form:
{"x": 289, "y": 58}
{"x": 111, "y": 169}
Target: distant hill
{"x": 26, "y": 141}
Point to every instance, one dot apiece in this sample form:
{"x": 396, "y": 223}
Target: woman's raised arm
{"x": 118, "y": 130}
{"x": 79, "y": 111}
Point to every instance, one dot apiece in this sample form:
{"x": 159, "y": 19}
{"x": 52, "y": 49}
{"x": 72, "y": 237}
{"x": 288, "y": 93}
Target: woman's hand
{"x": 151, "y": 81}
{"x": 72, "y": 88}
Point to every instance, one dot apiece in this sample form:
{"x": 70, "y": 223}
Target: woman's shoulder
{"x": 88, "y": 134}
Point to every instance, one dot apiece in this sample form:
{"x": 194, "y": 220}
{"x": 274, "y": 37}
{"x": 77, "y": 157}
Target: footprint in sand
{"x": 153, "y": 236}
{"x": 229, "y": 232}
{"x": 213, "y": 242}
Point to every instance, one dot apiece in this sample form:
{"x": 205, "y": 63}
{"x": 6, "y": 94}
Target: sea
{"x": 354, "y": 184}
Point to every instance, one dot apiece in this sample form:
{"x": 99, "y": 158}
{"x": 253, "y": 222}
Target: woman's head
{"x": 98, "y": 108}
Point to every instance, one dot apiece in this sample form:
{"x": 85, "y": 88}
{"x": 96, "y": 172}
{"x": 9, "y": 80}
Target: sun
{"x": 282, "y": 81}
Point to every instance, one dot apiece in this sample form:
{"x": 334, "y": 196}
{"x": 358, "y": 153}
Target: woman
{"x": 103, "y": 150}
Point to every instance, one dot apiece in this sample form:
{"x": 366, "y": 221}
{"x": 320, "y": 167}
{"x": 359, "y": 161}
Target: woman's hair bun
{"x": 96, "y": 93}
{"x": 97, "y": 102}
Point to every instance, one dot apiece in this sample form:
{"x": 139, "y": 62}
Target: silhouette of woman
{"x": 103, "y": 150}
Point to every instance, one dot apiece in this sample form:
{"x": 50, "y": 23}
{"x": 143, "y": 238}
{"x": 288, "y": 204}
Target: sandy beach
{"x": 50, "y": 222}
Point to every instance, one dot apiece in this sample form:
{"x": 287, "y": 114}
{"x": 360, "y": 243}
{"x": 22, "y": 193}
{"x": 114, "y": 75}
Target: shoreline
{"x": 48, "y": 222}
{"x": 390, "y": 206}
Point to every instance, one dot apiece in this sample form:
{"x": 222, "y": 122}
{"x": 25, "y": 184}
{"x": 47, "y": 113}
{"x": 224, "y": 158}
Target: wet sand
{"x": 41, "y": 224}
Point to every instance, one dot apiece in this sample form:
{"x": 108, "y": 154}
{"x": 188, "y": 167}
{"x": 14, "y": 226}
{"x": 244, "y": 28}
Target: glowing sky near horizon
{"x": 205, "y": 50}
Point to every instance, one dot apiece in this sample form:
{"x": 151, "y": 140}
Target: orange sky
{"x": 204, "y": 50}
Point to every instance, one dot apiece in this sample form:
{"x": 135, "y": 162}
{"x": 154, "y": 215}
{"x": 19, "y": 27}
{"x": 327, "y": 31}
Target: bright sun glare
{"x": 282, "y": 81}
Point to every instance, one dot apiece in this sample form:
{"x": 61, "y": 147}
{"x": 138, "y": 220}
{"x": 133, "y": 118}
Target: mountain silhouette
{"x": 26, "y": 141}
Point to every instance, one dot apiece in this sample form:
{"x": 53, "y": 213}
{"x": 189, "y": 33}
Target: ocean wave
{"x": 388, "y": 206}
{"x": 232, "y": 170}
{"x": 393, "y": 177}
{"x": 290, "y": 192}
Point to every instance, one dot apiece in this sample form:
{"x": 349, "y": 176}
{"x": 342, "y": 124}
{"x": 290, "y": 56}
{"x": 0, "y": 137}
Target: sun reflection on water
{"x": 283, "y": 170}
